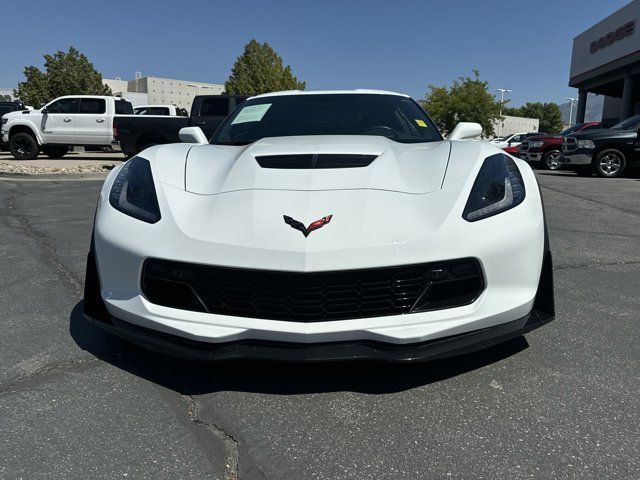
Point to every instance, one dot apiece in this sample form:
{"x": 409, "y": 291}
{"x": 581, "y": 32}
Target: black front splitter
{"x": 322, "y": 352}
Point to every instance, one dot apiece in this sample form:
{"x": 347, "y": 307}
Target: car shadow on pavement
{"x": 196, "y": 378}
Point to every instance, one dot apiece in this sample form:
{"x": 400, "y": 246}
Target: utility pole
{"x": 571, "y": 109}
{"x": 502, "y": 92}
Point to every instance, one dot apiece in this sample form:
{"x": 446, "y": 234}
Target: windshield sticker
{"x": 421, "y": 123}
{"x": 253, "y": 113}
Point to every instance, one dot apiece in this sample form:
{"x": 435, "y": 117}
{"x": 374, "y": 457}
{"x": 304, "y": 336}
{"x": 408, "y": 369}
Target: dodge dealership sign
{"x": 611, "y": 37}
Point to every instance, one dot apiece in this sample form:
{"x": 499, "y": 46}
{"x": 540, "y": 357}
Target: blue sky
{"x": 401, "y": 45}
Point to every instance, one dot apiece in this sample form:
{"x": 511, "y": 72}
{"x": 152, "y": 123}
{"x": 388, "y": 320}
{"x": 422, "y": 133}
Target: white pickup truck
{"x": 74, "y": 120}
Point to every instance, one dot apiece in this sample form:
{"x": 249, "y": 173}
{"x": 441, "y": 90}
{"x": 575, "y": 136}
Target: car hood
{"x": 602, "y": 133}
{"x": 408, "y": 168}
{"x": 16, "y": 113}
{"x": 545, "y": 138}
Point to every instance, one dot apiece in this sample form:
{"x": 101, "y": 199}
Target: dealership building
{"x": 161, "y": 91}
{"x": 606, "y": 61}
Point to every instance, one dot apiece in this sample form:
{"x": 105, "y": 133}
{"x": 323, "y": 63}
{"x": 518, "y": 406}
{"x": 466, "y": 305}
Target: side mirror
{"x": 466, "y": 130}
{"x": 192, "y": 135}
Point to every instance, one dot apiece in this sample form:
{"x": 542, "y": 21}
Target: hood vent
{"x": 315, "y": 160}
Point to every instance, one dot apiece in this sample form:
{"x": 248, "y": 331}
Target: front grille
{"x": 313, "y": 296}
{"x": 315, "y": 160}
{"x": 569, "y": 144}
{"x": 524, "y": 146}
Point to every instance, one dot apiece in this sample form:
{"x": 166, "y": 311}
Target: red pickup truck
{"x": 546, "y": 150}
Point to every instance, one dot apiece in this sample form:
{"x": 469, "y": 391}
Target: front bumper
{"x": 509, "y": 248}
{"x": 530, "y": 156}
{"x": 576, "y": 157}
{"x": 543, "y": 312}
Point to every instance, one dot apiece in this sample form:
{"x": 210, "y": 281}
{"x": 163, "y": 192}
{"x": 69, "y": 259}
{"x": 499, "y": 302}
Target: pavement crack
{"x": 230, "y": 443}
{"x": 48, "y": 372}
{"x": 50, "y": 253}
{"x": 594, "y": 264}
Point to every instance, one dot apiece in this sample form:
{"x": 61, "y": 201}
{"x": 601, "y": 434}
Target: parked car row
{"x": 586, "y": 148}
{"x": 608, "y": 152}
{"x": 104, "y": 123}
{"x": 546, "y": 150}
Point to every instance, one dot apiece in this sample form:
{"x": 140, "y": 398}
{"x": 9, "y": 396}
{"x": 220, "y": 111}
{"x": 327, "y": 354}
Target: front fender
{"x": 30, "y": 125}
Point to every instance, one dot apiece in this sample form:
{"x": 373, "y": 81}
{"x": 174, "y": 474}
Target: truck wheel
{"x": 56, "y": 151}
{"x": 23, "y": 146}
{"x": 551, "y": 160}
{"x": 609, "y": 163}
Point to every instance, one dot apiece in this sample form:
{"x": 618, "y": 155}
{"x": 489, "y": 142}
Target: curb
{"x": 54, "y": 176}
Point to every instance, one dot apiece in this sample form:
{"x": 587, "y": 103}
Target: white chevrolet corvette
{"x": 321, "y": 226}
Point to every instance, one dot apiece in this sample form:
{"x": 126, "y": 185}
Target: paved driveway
{"x": 562, "y": 403}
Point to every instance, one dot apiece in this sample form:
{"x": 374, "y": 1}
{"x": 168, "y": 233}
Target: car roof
{"x": 328, "y": 92}
{"x": 90, "y": 96}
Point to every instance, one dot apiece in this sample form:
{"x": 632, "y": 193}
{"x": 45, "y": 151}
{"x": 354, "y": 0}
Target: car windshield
{"x": 628, "y": 124}
{"x": 392, "y": 116}
{"x": 570, "y": 129}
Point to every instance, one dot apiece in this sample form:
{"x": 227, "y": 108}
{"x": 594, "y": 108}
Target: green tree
{"x": 260, "y": 70}
{"x": 66, "y": 73}
{"x": 466, "y": 100}
{"x": 549, "y": 115}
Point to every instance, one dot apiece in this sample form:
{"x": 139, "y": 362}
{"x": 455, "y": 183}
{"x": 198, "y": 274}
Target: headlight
{"x": 586, "y": 144}
{"x": 133, "y": 192}
{"x": 498, "y": 187}
{"x": 536, "y": 143}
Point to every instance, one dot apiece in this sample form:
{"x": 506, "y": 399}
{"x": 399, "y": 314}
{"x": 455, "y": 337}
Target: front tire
{"x": 54, "y": 152}
{"x": 610, "y": 163}
{"x": 23, "y": 146}
{"x": 551, "y": 160}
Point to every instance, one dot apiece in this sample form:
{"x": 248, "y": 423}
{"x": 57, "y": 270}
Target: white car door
{"x": 92, "y": 127}
{"x": 57, "y": 122}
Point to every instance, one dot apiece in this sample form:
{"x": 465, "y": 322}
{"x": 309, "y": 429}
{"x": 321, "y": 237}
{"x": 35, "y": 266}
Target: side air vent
{"x": 316, "y": 160}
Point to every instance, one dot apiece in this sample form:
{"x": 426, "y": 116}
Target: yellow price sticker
{"x": 421, "y": 123}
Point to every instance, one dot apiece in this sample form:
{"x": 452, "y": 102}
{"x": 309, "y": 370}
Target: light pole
{"x": 571, "y": 109}
{"x": 502, "y": 92}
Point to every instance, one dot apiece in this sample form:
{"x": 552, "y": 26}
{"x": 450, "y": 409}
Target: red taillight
{"x": 115, "y": 129}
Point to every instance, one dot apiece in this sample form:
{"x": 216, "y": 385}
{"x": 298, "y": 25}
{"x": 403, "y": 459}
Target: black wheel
{"x": 23, "y": 146}
{"x": 551, "y": 160}
{"x": 610, "y": 163}
{"x": 55, "y": 151}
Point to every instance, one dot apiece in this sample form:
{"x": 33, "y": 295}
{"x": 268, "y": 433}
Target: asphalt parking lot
{"x": 563, "y": 403}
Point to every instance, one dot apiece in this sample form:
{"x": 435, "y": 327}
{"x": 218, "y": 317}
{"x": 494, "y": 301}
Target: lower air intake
{"x": 314, "y": 296}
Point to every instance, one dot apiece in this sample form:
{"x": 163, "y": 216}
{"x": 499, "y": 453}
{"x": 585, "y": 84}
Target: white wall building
{"x": 509, "y": 125}
{"x": 165, "y": 91}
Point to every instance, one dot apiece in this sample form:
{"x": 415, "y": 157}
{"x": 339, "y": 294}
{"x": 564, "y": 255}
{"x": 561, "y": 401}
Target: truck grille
{"x": 313, "y": 296}
{"x": 569, "y": 144}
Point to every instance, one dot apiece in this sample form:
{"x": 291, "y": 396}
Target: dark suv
{"x": 608, "y": 152}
